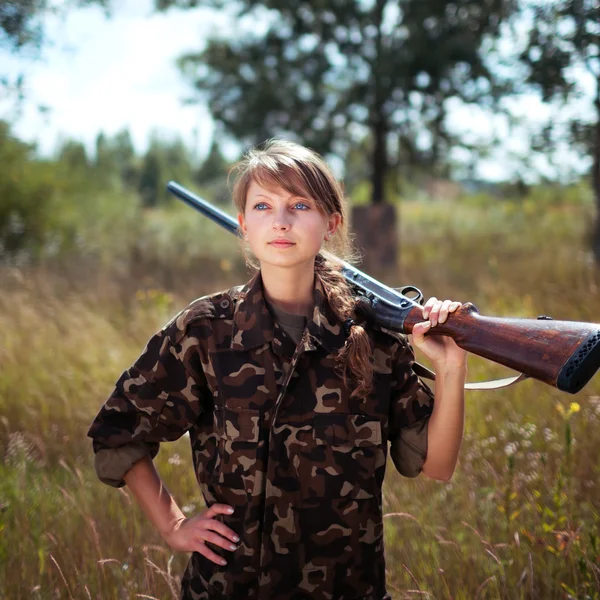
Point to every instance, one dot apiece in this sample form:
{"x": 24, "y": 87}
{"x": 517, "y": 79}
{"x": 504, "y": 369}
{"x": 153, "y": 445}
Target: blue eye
{"x": 306, "y": 206}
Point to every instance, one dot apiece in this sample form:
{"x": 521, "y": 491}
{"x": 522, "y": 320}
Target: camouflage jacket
{"x": 275, "y": 434}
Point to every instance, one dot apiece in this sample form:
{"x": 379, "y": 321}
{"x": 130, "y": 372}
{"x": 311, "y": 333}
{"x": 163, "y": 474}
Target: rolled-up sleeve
{"x": 111, "y": 464}
{"x": 157, "y": 399}
{"x": 411, "y": 406}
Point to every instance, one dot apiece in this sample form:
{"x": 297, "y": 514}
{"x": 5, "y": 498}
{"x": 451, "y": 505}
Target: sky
{"x": 104, "y": 74}
{"x": 98, "y": 74}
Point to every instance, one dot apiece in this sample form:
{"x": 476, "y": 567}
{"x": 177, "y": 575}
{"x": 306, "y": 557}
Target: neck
{"x": 291, "y": 290}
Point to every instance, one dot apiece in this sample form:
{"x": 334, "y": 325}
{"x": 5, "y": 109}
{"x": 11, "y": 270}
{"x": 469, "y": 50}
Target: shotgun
{"x": 563, "y": 354}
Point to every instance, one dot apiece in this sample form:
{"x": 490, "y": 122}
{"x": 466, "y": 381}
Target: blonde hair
{"x": 303, "y": 172}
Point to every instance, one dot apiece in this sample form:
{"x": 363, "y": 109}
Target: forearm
{"x": 446, "y": 424}
{"x": 153, "y": 497}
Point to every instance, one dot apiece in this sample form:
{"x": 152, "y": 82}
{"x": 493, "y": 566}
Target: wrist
{"x": 172, "y": 527}
{"x": 446, "y": 368}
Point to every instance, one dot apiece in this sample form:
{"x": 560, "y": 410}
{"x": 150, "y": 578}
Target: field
{"x": 520, "y": 518}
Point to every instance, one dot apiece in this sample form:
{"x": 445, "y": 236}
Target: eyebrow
{"x": 292, "y": 197}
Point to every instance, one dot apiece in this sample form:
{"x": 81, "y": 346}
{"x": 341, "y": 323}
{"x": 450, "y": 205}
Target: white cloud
{"x": 103, "y": 74}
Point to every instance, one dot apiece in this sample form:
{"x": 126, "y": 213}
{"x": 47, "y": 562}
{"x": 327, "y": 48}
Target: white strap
{"x": 495, "y": 384}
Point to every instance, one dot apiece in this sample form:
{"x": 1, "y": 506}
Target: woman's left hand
{"x": 440, "y": 349}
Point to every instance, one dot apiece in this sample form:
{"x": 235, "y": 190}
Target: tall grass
{"x": 520, "y": 518}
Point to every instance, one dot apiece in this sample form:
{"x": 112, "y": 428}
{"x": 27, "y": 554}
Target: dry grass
{"x": 520, "y": 518}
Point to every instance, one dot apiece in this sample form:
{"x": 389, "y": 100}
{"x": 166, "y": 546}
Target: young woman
{"x": 290, "y": 401}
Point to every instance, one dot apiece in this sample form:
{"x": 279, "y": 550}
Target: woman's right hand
{"x": 191, "y": 535}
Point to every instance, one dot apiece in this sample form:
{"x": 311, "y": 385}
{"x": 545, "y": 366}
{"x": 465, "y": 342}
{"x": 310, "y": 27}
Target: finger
{"x": 217, "y": 540}
{"x": 213, "y": 556}
{"x": 454, "y": 306}
{"x": 435, "y": 312}
{"x": 428, "y": 305}
{"x": 444, "y": 311}
{"x": 218, "y": 509}
{"x": 419, "y": 330}
{"x": 213, "y": 525}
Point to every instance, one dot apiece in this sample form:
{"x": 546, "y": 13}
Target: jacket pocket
{"x": 238, "y": 430}
{"x": 341, "y": 460}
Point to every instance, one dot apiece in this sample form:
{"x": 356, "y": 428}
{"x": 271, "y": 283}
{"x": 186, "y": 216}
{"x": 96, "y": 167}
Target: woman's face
{"x": 273, "y": 214}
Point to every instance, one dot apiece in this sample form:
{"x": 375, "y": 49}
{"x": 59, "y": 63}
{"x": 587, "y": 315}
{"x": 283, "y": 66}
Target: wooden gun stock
{"x": 564, "y": 354}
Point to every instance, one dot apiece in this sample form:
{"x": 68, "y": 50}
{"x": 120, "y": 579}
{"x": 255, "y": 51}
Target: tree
{"x": 73, "y": 153}
{"x": 116, "y": 162}
{"x": 565, "y": 38}
{"x": 164, "y": 160}
{"x": 213, "y": 167}
{"x": 23, "y": 195}
{"x": 149, "y": 186}
{"x": 123, "y": 152}
{"x": 326, "y": 73}
{"x": 21, "y": 21}
{"x": 38, "y": 198}
{"x": 211, "y": 176}
{"x": 331, "y": 73}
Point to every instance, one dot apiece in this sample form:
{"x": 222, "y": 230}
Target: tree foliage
{"x": 164, "y": 160}
{"x": 329, "y": 73}
{"x": 21, "y": 21}
{"x": 563, "y": 46}
{"x": 22, "y": 29}
{"x": 75, "y": 201}
{"x": 116, "y": 160}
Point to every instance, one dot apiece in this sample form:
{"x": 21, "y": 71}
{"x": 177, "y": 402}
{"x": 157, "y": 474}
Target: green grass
{"x": 520, "y": 518}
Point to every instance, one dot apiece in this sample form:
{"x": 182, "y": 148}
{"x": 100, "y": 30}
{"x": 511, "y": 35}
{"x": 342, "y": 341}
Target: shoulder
{"x": 219, "y": 305}
{"x": 392, "y": 341}
{"x": 389, "y": 349}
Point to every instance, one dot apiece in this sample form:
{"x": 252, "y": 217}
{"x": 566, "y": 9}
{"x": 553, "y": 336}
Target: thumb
{"x": 419, "y": 331}
{"x": 216, "y": 509}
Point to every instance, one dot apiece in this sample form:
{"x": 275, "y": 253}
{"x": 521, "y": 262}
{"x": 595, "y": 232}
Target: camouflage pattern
{"x": 275, "y": 434}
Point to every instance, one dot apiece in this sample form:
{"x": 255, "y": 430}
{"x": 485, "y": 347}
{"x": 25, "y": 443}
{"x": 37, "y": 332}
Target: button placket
{"x": 286, "y": 381}
{"x": 305, "y": 345}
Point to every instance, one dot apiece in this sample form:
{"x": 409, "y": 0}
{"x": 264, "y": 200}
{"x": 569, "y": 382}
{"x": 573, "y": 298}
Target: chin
{"x": 288, "y": 264}
{"x": 285, "y": 261}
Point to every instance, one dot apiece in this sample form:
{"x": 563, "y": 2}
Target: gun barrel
{"x": 206, "y": 208}
{"x": 378, "y": 292}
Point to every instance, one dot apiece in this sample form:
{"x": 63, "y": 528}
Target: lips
{"x": 281, "y": 243}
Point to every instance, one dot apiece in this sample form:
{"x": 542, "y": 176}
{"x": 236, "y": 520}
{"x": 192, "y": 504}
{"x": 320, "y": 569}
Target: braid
{"x": 353, "y": 361}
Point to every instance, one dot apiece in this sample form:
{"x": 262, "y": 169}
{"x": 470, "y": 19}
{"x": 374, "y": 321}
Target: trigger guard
{"x": 411, "y": 288}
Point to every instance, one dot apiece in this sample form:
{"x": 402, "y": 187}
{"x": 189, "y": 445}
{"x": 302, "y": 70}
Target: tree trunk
{"x": 375, "y": 226}
{"x": 376, "y": 238}
{"x": 378, "y": 120}
{"x": 379, "y": 165}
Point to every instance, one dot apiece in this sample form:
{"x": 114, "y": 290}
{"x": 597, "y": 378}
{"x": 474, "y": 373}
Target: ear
{"x": 241, "y": 223}
{"x": 333, "y": 222}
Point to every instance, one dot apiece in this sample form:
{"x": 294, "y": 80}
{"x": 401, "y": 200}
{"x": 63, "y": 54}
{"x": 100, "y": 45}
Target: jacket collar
{"x": 254, "y": 326}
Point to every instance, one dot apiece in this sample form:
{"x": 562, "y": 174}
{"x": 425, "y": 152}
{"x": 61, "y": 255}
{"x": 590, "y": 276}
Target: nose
{"x": 281, "y": 220}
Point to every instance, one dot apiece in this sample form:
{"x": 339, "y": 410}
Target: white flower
{"x": 175, "y": 460}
